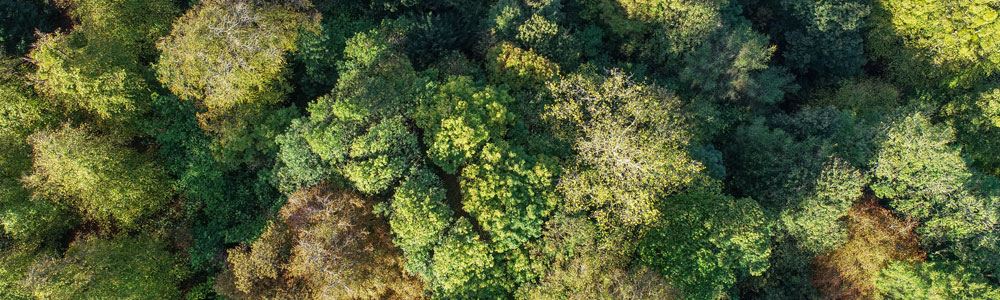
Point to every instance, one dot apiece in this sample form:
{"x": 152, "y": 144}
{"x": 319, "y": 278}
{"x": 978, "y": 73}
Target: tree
{"x": 361, "y": 127}
{"x": 822, "y": 39}
{"x": 815, "y": 221}
{"x": 509, "y": 193}
{"x": 460, "y": 118}
{"x": 707, "y": 241}
{"x": 326, "y": 244}
{"x": 916, "y": 166}
{"x": 463, "y": 265}
{"x": 100, "y": 67}
{"x": 976, "y": 120}
{"x": 630, "y": 142}
{"x": 119, "y": 268}
{"x": 732, "y": 65}
{"x": 98, "y": 175}
{"x": 950, "y": 41}
{"x": 519, "y": 69}
{"x": 546, "y": 27}
{"x": 934, "y": 280}
{"x": 875, "y": 239}
{"x": 419, "y": 219}
{"x": 228, "y": 53}
{"x": 655, "y": 31}
{"x": 578, "y": 268}
{"x": 22, "y": 216}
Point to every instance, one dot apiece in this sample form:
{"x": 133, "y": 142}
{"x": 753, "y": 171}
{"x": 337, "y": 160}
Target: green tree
{"x": 463, "y": 265}
{"x": 952, "y": 43}
{"x": 459, "y": 118}
{"x": 119, "y": 268}
{"x": 976, "y": 120}
{"x": 934, "y": 280}
{"x": 519, "y": 69}
{"x": 707, "y": 241}
{"x": 223, "y": 54}
{"x": 630, "y": 139}
{"x": 822, "y": 39}
{"x": 101, "y": 66}
{"x": 732, "y": 65}
{"x": 815, "y": 221}
{"x": 655, "y": 31}
{"x": 22, "y": 112}
{"x": 98, "y": 175}
{"x": 361, "y": 127}
{"x": 578, "y": 268}
{"x": 509, "y": 193}
{"x": 917, "y": 167}
{"x": 419, "y": 218}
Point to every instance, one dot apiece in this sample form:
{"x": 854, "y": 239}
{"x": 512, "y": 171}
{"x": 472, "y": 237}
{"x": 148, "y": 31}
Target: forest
{"x": 500, "y": 149}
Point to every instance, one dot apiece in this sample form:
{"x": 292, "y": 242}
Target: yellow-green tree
{"x": 118, "y": 268}
{"x": 630, "y": 139}
{"x": 957, "y": 41}
{"x": 106, "y": 181}
{"x": 101, "y": 66}
{"x": 227, "y": 53}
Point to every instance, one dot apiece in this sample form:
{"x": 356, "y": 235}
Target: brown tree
{"x": 325, "y": 244}
{"x": 876, "y": 238}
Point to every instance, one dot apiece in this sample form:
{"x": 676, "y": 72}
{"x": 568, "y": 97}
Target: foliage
{"x": 509, "y": 193}
{"x": 121, "y": 268}
{"x": 709, "y": 241}
{"x": 519, "y": 69}
{"x": 361, "y": 126}
{"x": 459, "y": 118}
{"x": 822, "y": 39}
{"x": 952, "y": 41}
{"x": 630, "y": 140}
{"x": 22, "y": 112}
{"x": 100, "y": 67}
{"x": 933, "y": 280}
{"x": 224, "y": 53}
{"x": 916, "y": 166}
{"x": 326, "y": 244}
{"x": 875, "y": 239}
{"x": 579, "y": 269}
{"x": 735, "y": 66}
{"x": 658, "y": 30}
{"x": 976, "y": 120}
{"x": 419, "y": 219}
{"x": 815, "y": 221}
{"x": 107, "y": 182}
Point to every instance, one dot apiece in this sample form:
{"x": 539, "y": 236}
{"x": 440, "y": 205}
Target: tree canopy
{"x": 500, "y": 149}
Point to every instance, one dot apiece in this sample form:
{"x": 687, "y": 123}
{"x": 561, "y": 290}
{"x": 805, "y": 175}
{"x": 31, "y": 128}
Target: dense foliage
{"x": 500, "y": 149}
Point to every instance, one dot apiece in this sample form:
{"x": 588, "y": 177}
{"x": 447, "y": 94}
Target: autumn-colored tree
{"x": 875, "y": 238}
{"x": 327, "y": 244}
